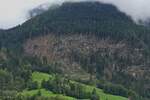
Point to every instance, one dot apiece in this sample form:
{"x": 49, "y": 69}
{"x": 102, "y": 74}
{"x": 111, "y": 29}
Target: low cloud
{"x": 137, "y": 9}
{"x": 14, "y": 12}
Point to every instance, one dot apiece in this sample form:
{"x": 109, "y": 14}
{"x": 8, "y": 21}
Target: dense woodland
{"x": 103, "y": 21}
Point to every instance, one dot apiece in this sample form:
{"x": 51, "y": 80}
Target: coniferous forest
{"x": 83, "y": 50}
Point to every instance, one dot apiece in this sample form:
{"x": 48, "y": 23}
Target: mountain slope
{"x": 47, "y": 93}
{"x": 87, "y": 18}
{"x": 86, "y": 41}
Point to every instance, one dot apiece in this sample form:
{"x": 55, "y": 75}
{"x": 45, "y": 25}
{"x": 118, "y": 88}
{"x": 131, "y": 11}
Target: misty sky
{"x": 14, "y": 12}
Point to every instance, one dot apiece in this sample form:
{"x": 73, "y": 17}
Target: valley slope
{"x": 89, "y": 42}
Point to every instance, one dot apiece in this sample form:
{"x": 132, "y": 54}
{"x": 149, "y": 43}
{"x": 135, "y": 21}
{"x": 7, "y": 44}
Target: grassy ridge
{"x": 104, "y": 96}
{"x": 46, "y": 93}
{"x": 38, "y": 77}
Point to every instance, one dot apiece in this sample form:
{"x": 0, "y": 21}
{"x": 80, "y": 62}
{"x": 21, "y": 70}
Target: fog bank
{"x": 14, "y": 12}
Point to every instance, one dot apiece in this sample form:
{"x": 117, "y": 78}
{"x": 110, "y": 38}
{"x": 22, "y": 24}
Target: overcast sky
{"x": 14, "y": 12}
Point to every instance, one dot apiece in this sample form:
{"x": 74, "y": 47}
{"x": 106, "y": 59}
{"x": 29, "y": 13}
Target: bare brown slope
{"x": 63, "y": 48}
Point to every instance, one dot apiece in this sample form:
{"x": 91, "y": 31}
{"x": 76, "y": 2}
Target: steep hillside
{"x": 38, "y": 77}
{"x": 78, "y": 55}
{"x": 87, "y": 41}
{"x": 103, "y": 20}
{"x": 70, "y": 49}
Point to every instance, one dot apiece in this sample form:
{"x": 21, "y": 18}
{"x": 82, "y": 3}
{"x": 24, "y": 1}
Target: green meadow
{"x": 38, "y": 77}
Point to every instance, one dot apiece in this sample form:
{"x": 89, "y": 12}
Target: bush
{"x": 116, "y": 90}
{"x": 32, "y": 85}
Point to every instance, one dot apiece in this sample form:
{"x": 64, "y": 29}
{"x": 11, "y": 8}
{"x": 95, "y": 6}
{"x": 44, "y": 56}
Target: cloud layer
{"x": 137, "y": 9}
{"x": 14, "y": 12}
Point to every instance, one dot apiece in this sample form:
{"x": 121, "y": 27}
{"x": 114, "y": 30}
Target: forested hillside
{"x": 103, "y": 20}
{"x": 86, "y": 42}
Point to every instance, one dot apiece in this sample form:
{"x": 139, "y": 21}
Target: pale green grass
{"x": 102, "y": 95}
{"x": 38, "y": 77}
{"x": 100, "y": 92}
{"x": 46, "y": 93}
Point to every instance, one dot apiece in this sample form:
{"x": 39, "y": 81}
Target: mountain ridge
{"x": 91, "y": 38}
{"x": 58, "y": 23}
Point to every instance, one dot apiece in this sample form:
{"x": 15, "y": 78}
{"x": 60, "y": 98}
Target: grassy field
{"x": 46, "y": 93}
{"x": 102, "y": 95}
{"x": 38, "y": 77}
